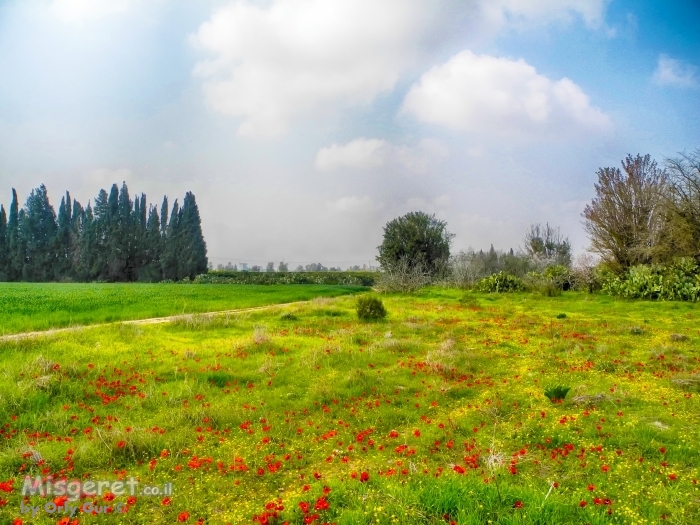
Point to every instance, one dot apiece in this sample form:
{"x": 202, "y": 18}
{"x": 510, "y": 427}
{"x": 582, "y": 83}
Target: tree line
{"x": 117, "y": 239}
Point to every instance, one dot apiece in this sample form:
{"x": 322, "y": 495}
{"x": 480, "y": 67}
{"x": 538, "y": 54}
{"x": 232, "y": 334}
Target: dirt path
{"x": 152, "y": 320}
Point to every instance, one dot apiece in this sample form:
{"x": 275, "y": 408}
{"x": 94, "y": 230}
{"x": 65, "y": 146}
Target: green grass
{"x": 29, "y": 306}
{"x": 442, "y": 405}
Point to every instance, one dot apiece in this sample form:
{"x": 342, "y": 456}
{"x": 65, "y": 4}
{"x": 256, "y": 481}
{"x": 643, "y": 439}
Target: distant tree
{"x": 683, "y": 210}
{"x": 172, "y": 245}
{"x": 417, "y": 238}
{"x": 4, "y": 244}
{"x": 255, "y": 268}
{"x": 547, "y": 243}
{"x": 299, "y": 268}
{"x": 38, "y": 229}
{"x": 270, "y": 267}
{"x": 192, "y": 259}
{"x": 625, "y": 219}
{"x": 282, "y": 267}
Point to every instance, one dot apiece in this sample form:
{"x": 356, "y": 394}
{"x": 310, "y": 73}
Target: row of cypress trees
{"x": 119, "y": 239}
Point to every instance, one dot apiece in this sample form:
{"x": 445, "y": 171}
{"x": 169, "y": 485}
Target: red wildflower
{"x": 183, "y": 516}
{"x": 165, "y": 501}
{"x": 518, "y": 504}
{"x": 583, "y": 503}
{"x": 364, "y": 476}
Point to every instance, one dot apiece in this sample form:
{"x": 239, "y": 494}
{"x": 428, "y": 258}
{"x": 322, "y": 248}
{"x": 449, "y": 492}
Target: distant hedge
{"x": 229, "y": 277}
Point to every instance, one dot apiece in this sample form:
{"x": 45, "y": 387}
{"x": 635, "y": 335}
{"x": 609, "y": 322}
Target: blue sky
{"x": 302, "y": 126}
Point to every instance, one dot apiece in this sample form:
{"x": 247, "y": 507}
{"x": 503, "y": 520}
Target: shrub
{"x": 370, "y": 308}
{"x": 500, "y": 282}
{"x": 556, "y": 394}
{"x": 678, "y": 281}
{"x": 402, "y": 277}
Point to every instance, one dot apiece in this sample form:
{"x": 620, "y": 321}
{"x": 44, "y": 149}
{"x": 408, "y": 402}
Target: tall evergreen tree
{"x": 171, "y": 248}
{"x": 38, "y": 229}
{"x": 193, "y": 249}
{"x": 4, "y": 244}
{"x": 14, "y": 242}
{"x": 164, "y": 216}
{"x": 64, "y": 255}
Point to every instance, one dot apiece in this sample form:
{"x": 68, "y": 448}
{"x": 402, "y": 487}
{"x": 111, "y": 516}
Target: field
{"x": 302, "y": 414}
{"x": 29, "y": 306}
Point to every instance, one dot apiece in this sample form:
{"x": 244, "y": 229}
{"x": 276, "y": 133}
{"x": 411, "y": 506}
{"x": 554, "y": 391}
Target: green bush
{"x": 678, "y": 281}
{"x": 500, "y": 282}
{"x": 370, "y": 308}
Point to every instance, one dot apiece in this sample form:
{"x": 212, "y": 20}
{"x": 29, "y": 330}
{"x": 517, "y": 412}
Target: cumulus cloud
{"x": 359, "y": 153}
{"x": 295, "y": 56}
{"x": 483, "y": 93}
{"x": 536, "y": 12}
{"x": 673, "y": 72}
{"x": 75, "y": 11}
{"x": 363, "y": 153}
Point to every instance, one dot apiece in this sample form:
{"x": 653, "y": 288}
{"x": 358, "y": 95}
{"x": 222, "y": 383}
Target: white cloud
{"x": 521, "y": 13}
{"x": 482, "y": 93}
{"x": 76, "y": 11}
{"x": 362, "y": 153}
{"x": 354, "y": 205}
{"x": 359, "y": 153}
{"x": 104, "y": 178}
{"x": 299, "y": 56}
{"x": 674, "y": 72}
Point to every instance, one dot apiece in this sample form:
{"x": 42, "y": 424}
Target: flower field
{"x": 303, "y": 414}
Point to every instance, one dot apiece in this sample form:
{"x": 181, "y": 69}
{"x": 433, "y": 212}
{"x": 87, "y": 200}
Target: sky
{"x": 303, "y": 126}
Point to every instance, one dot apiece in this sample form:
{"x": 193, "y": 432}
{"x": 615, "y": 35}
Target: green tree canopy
{"x": 416, "y": 239}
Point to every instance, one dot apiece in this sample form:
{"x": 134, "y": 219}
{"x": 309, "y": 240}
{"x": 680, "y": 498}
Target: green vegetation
{"x": 500, "y": 282}
{"x": 30, "y": 306}
{"x": 233, "y": 277}
{"x": 434, "y": 416}
{"x": 370, "y": 308}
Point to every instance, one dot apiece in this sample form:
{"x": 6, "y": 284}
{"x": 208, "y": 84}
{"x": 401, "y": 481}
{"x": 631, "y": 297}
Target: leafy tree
{"x": 547, "y": 243}
{"x": 283, "y": 267}
{"x": 418, "y": 238}
{"x": 625, "y": 219}
{"x": 683, "y": 215}
{"x": 270, "y": 268}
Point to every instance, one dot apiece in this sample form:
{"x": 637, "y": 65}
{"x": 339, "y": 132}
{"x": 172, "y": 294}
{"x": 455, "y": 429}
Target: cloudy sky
{"x": 302, "y": 126}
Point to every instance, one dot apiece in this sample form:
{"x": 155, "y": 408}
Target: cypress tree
{"x": 164, "y": 216}
{"x": 171, "y": 249}
{"x": 38, "y": 229}
{"x": 4, "y": 244}
{"x": 192, "y": 248}
{"x": 64, "y": 256}
{"x": 14, "y": 242}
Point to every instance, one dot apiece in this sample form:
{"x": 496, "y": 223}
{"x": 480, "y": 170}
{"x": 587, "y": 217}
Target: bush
{"x": 549, "y": 282}
{"x": 678, "y": 281}
{"x": 500, "y": 282}
{"x": 402, "y": 277}
{"x": 370, "y": 308}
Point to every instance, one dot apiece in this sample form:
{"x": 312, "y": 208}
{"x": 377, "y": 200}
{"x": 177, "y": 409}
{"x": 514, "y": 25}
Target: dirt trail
{"x": 152, "y": 320}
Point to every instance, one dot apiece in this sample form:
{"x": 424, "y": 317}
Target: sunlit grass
{"x": 441, "y": 406}
{"x": 35, "y": 306}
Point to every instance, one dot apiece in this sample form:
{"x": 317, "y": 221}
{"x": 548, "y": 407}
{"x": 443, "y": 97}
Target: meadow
{"x": 35, "y": 306}
{"x": 303, "y": 414}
